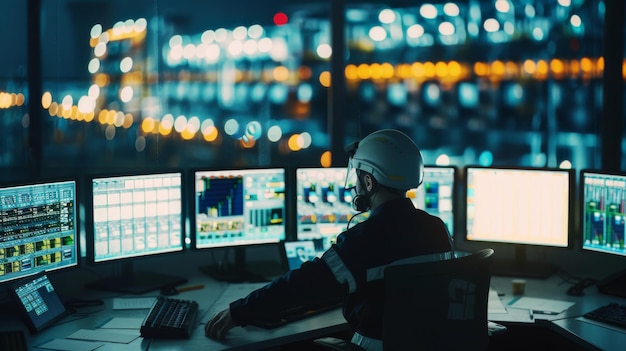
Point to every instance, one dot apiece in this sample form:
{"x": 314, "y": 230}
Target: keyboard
{"x": 170, "y": 318}
{"x": 613, "y": 313}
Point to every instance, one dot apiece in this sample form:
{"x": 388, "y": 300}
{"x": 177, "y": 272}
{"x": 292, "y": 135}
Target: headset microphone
{"x": 361, "y": 203}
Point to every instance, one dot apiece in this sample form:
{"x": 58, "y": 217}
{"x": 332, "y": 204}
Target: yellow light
{"x": 147, "y": 125}
{"x": 247, "y": 144}
{"x": 530, "y": 67}
{"x": 586, "y": 65}
{"x": 102, "y": 116}
{"x": 89, "y": 116}
{"x": 429, "y": 70}
{"x": 387, "y": 70}
{"x": 351, "y": 72}
{"x": 67, "y": 113}
{"x": 326, "y": 159}
{"x": 542, "y": 69}
{"x": 481, "y": 69}
{"x": 164, "y": 129}
{"x": 403, "y": 71}
{"x": 375, "y": 71}
{"x": 293, "y": 143}
{"x": 557, "y": 67}
{"x": 325, "y": 79}
{"x": 281, "y": 74}
{"x": 73, "y": 112}
{"x": 128, "y": 121}
{"x": 186, "y": 134}
{"x": 454, "y": 69}
{"x": 363, "y": 71}
{"x": 101, "y": 79}
{"x": 111, "y": 116}
{"x": 441, "y": 69}
{"x": 497, "y": 68}
{"x": 52, "y": 110}
{"x": 19, "y": 99}
{"x": 418, "y": 70}
{"x": 210, "y": 134}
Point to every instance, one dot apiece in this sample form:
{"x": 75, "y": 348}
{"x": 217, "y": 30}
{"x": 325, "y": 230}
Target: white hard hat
{"x": 391, "y": 157}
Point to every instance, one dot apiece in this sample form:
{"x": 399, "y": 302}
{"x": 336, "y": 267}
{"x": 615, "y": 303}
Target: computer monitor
{"x": 603, "y": 216}
{"x": 436, "y": 194}
{"x": 519, "y": 206}
{"x": 324, "y": 206}
{"x": 39, "y": 228}
{"x": 133, "y": 216}
{"x": 235, "y": 209}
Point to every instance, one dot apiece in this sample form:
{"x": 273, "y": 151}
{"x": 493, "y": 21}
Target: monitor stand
{"x": 131, "y": 282}
{"x": 235, "y": 272}
{"x": 521, "y": 267}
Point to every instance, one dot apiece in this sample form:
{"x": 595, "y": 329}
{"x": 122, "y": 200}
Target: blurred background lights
{"x": 451, "y": 9}
{"x": 428, "y": 11}
{"x": 491, "y": 25}
{"x": 96, "y": 31}
{"x": 100, "y": 49}
{"x": 442, "y": 160}
{"x": 94, "y": 65}
{"x": 231, "y": 127}
{"x": 253, "y": 130}
{"x": 446, "y": 28}
{"x": 324, "y": 51}
{"x": 565, "y": 164}
{"x": 67, "y": 102}
{"x": 280, "y": 19}
{"x": 502, "y": 6}
{"x": 415, "y": 31}
{"x": 126, "y": 94}
{"x": 255, "y": 31}
{"x": 126, "y": 64}
{"x": 485, "y": 158}
{"x": 180, "y": 123}
{"x": 274, "y": 133}
{"x": 386, "y": 16}
{"x": 305, "y": 93}
{"x": 377, "y": 33}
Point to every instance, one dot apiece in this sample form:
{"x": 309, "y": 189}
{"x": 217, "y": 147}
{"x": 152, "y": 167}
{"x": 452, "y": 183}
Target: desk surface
{"x": 216, "y": 296}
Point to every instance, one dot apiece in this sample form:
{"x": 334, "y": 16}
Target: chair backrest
{"x": 440, "y": 305}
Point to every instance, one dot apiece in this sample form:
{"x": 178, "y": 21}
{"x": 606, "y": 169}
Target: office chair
{"x": 440, "y": 305}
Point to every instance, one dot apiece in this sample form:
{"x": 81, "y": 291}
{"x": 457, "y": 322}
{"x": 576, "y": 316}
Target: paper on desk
{"x": 494, "y": 304}
{"x": 71, "y": 345}
{"x": 104, "y": 335}
{"x": 537, "y": 304}
{"x": 123, "y": 323}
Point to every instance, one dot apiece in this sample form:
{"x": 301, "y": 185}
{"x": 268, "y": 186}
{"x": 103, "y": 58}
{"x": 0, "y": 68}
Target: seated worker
{"x": 383, "y": 165}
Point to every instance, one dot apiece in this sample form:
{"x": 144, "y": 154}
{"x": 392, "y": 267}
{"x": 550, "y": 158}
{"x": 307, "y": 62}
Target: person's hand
{"x": 219, "y": 325}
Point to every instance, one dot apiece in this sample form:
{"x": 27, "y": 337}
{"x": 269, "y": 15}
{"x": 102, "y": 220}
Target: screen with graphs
{"x": 38, "y": 230}
{"x": 602, "y": 200}
{"x": 239, "y": 207}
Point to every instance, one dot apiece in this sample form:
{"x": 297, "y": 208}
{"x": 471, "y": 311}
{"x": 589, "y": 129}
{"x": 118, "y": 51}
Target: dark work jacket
{"x": 395, "y": 232}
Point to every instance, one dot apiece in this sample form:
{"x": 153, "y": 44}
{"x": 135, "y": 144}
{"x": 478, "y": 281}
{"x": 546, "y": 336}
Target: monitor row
{"x": 134, "y": 215}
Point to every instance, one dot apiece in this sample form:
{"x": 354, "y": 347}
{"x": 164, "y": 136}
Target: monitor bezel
{"x": 581, "y": 210}
{"x": 89, "y": 220}
{"x": 571, "y": 207}
{"x": 77, "y": 222}
{"x": 193, "y": 231}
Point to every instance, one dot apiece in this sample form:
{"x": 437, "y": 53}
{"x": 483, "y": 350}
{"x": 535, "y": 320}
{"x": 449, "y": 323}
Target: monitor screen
{"x": 38, "y": 231}
{"x": 436, "y": 193}
{"x": 239, "y": 207}
{"x": 324, "y": 206}
{"x": 518, "y": 206}
{"x": 602, "y": 200}
{"x": 136, "y": 215}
